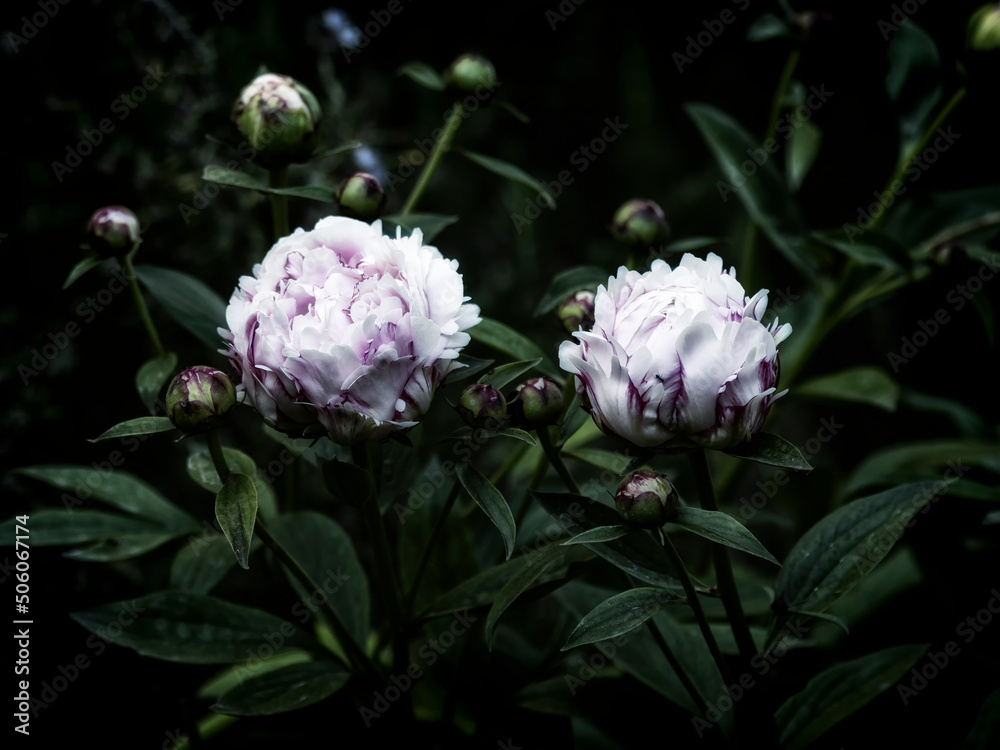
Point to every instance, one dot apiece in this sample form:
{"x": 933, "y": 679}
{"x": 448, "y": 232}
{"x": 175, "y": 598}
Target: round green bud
{"x": 482, "y": 405}
{"x": 114, "y": 230}
{"x": 361, "y": 196}
{"x": 278, "y": 116}
{"x": 641, "y": 224}
{"x": 983, "y": 30}
{"x": 199, "y": 398}
{"x": 471, "y": 72}
{"x": 646, "y": 500}
{"x": 538, "y": 403}
{"x": 577, "y": 311}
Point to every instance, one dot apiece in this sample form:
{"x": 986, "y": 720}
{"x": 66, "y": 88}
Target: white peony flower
{"x": 678, "y": 357}
{"x": 346, "y": 331}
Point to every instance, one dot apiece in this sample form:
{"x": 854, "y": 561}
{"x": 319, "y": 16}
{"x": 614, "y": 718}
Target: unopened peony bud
{"x": 278, "y": 116}
{"x": 482, "y": 405}
{"x": 471, "y": 72}
{"x": 983, "y": 31}
{"x": 199, "y": 398}
{"x": 114, "y": 230}
{"x": 646, "y": 499}
{"x": 539, "y": 403}
{"x": 640, "y": 223}
{"x": 361, "y": 196}
{"x": 577, "y": 312}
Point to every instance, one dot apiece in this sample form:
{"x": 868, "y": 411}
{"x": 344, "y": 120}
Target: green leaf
{"x": 473, "y": 366}
{"x": 569, "y": 282}
{"x": 985, "y": 733}
{"x": 721, "y": 528}
{"x": 514, "y": 111}
{"x": 202, "y": 563}
{"x": 327, "y": 554}
{"x": 876, "y": 250}
{"x": 575, "y": 418}
{"x": 619, "y": 614}
{"x": 932, "y": 459}
{"x": 189, "y": 301}
{"x": 599, "y": 534}
{"x": 121, "y": 547}
{"x": 841, "y": 548}
{"x": 863, "y": 385}
{"x": 285, "y": 689}
{"x": 137, "y": 426}
{"x": 764, "y": 194}
{"x": 505, "y": 339}
{"x": 320, "y": 193}
{"x": 766, "y": 448}
{"x": 549, "y": 558}
{"x": 510, "y": 172}
{"x": 422, "y": 73}
{"x": 926, "y": 221}
{"x": 343, "y": 148}
{"x": 232, "y": 178}
{"x": 430, "y": 225}
{"x": 913, "y": 82}
{"x": 516, "y": 434}
{"x": 839, "y": 691}
{"x": 201, "y": 468}
{"x": 50, "y": 527}
{"x": 491, "y": 501}
{"x": 193, "y": 628}
{"x": 501, "y": 376}
{"x": 768, "y": 26}
{"x": 80, "y": 269}
{"x": 602, "y": 459}
{"x": 692, "y": 244}
{"x": 801, "y": 153}
{"x": 236, "y": 511}
{"x": 151, "y": 378}
{"x": 115, "y": 487}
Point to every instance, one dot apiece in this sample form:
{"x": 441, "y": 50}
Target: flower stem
{"x": 699, "y": 613}
{"x": 278, "y": 178}
{"x": 442, "y": 145}
{"x": 411, "y": 595}
{"x": 218, "y": 457}
{"x": 678, "y": 668}
{"x": 556, "y": 459}
{"x": 723, "y": 566}
{"x": 140, "y": 303}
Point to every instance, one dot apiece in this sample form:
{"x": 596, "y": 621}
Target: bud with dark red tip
{"x": 114, "y": 230}
{"x": 361, "y": 196}
{"x": 199, "y": 398}
{"x": 279, "y": 118}
{"x": 646, "y": 499}
{"x": 641, "y": 224}
{"x": 482, "y": 405}
{"x": 577, "y": 311}
{"x": 538, "y": 403}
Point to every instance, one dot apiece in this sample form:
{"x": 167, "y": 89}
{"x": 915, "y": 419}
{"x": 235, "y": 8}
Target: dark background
{"x": 605, "y": 60}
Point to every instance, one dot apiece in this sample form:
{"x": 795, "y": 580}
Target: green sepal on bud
{"x": 199, "y": 398}
{"x": 114, "y": 230}
{"x": 576, "y": 312}
{"x": 361, "y": 196}
{"x": 646, "y": 500}
{"x": 278, "y": 116}
{"x": 482, "y": 405}
{"x": 537, "y": 403}
{"x": 471, "y": 72}
{"x": 640, "y": 224}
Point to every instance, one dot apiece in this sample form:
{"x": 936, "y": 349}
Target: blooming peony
{"x": 677, "y": 357}
{"x": 346, "y": 331}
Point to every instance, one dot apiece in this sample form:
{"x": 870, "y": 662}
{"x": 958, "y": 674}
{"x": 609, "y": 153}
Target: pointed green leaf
{"x": 137, "y": 426}
{"x": 601, "y": 458}
{"x": 913, "y": 82}
{"x": 473, "y": 366}
{"x": 120, "y": 547}
{"x": 320, "y": 193}
{"x": 924, "y": 460}
{"x": 203, "y": 562}
{"x": 575, "y": 418}
{"x": 801, "y": 153}
{"x": 510, "y": 172}
{"x": 768, "y": 26}
{"x": 842, "y": 547}
{"x": 721, "y": 528}
{"x": 770, "y": 449}
{"x": 599, "y": 534}
{"x": 285, "y": 689}
{"x": 152, "y": 376}
{"x": 115, "y": 487}
{"x": 231, "y": 177}
{"x": 547, "y": 559}
{"x": 236, "y": 511}
{"x": 501, "y": 376}
{"x": 491, "y": 501}
{"x": 201, "y": 468}
{"x": 865, "y": 385}
{"x": 516, "y": 434}
{"x": 505, "y": 339}
{"x": 193, "y": 628}
{"x": 764, "y": 194}
{"x": 422, "y": 73}
{"x": 619, "y": 614}
{"x": 189, "y": 301}
{"x": 839, "y": 691}
{"x": 343, "y": 148}
{"x": 569, "y": 282}
{"x": 80, "y": 269}
{"x": 430, "y": 225}
{"x": 50, "y": 527}
{"x": 693, "y": 244}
